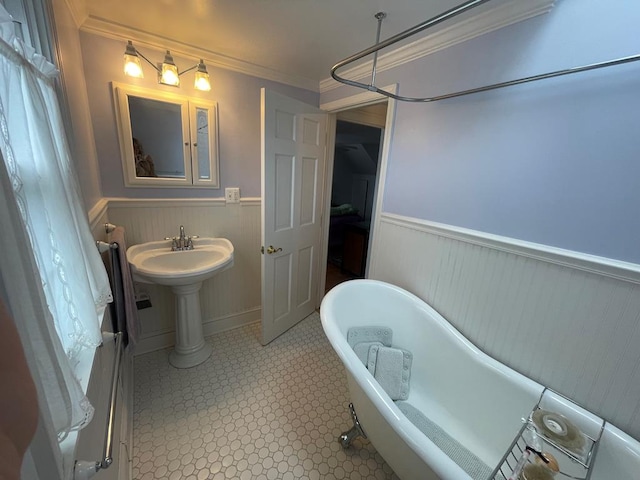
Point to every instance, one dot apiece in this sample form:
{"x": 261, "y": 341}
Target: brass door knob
{"x": 271, "y": 250}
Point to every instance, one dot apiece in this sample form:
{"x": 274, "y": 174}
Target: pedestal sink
{"x": 184, "y": 271}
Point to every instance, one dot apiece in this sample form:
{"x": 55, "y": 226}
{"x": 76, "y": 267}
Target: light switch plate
{"x": 232, "y": 195}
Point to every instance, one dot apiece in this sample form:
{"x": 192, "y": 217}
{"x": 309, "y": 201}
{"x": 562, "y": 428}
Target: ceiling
{"x": 300, "y": 38}
{"x": 359, "y": 146}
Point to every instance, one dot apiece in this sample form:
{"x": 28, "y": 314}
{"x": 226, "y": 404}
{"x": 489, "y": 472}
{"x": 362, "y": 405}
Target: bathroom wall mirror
{"x": 166, "y": 139}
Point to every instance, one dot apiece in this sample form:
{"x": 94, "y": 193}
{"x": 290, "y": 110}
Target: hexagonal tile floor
{"x": 249, "y": 412}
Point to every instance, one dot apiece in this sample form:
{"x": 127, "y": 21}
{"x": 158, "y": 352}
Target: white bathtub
{"x": 478, "y": 401}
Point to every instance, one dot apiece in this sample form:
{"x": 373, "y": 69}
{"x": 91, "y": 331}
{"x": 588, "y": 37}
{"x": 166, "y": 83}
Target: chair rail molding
{"x": 120, "y": 202}
{"x": 97, "y": 212}
{"x": 626, "y": 271}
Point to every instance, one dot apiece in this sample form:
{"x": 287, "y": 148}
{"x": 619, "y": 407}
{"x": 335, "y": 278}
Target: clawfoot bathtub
{"x": 472, "y": 405}
{"x": 476, "y": 400}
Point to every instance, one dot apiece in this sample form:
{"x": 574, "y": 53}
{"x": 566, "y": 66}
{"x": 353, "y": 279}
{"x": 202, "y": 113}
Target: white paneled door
{"x": 293, "y": 158}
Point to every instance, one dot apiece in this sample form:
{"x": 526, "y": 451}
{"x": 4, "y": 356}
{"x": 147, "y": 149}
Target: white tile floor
{"x": 249, "y": 412}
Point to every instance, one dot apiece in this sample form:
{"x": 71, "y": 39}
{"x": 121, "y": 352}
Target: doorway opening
{"x": 356, "y": 166}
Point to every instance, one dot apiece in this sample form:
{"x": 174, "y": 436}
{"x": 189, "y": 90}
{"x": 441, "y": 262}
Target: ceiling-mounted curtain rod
{"x": 432, "y": 22}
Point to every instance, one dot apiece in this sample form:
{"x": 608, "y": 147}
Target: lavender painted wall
{"x": 82, "y": 146}
{"x": 555, "y": 162}
{"x": 238, "y": 98}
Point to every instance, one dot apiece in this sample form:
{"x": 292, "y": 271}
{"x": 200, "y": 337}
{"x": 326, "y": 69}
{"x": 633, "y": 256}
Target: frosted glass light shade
{"x": 133, "y": 67}
{"x": 169, "y": 72}
{"x": 202, "y": 78}
{"x": 132, "y": 64}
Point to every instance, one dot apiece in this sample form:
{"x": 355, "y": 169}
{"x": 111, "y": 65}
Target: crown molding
{"x": 105, "y": 28}
{"x": 78, "y": 10}
{"x": 498, "y": 17}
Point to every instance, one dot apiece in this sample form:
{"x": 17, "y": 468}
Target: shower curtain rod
{"x": 432, "y": 22}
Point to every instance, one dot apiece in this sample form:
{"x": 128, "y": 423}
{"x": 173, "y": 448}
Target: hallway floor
{"x": 335, "y": 276}
{"x": 249, "y": 412}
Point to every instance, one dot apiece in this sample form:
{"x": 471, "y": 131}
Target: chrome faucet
{"x": 182, "y": 242}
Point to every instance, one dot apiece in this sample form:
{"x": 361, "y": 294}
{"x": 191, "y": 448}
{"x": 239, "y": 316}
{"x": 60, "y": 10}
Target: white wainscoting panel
{"x": 567, "y": 320}
{"x": 230, "y": 299}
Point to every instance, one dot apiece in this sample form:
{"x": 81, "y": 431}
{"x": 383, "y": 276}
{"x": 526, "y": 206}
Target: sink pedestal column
{"x": 191, "y": 349}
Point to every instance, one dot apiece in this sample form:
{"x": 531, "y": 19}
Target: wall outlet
{"x": 232, "y": 195}
{"x": 143, "y": 300}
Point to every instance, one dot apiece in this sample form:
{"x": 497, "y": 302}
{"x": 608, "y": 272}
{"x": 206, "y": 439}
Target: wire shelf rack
{"x": 573, "y": 463}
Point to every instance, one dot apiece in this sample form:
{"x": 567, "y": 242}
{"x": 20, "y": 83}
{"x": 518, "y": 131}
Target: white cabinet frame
{"x": 189, "y": 127}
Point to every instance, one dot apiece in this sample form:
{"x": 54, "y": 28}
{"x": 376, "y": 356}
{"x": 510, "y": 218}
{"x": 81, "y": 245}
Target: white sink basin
{"x": 154, "y": 262}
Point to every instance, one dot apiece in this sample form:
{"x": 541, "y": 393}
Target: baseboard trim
{"x": 617, "y": 269}
{"x": 164, "y": 340}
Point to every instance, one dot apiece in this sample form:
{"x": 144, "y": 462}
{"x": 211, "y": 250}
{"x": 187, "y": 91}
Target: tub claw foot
{"x": 356, "y": 431}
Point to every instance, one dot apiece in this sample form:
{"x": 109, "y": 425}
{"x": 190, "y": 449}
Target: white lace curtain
{"x": 45, "y": 198}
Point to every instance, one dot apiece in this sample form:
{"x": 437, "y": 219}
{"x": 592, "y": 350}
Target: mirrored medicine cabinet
{"x": 166, "y": 139}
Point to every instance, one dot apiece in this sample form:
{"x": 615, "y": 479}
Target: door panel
{"x": 310, "y": 132}
{"x": 284, "y": 185}
{"x": 282, "y": 278}
{"x": 308, "y": 194}
{"x": 305, "y": 273}
{"x": 293, "y": 156}
{"x": 285, "y": 125}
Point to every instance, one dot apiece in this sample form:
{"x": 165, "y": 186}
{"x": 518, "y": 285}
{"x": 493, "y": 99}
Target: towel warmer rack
{"x": 86, "y": 469}
{"x": 104, "y": 246}
{"x": 462, "y": 8}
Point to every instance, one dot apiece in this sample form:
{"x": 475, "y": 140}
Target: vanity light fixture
{"x": 168, "y": 73}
